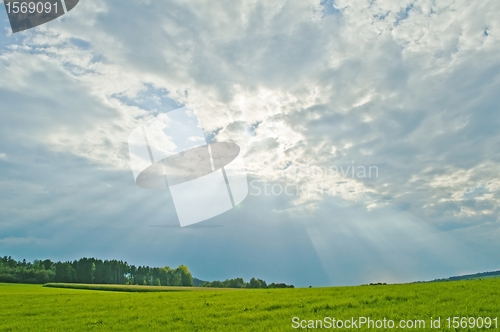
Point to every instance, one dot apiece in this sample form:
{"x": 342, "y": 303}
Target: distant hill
{"x": 198, "y": 282}
{"x": 483, "y": 275}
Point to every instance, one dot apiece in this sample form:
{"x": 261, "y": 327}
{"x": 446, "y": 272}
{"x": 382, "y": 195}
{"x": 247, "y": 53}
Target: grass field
{"x": 37, "y": 308}
{"x": 135, "y": 288}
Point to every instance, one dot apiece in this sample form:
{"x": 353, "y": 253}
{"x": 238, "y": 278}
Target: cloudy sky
{"x": 309, "y": 90}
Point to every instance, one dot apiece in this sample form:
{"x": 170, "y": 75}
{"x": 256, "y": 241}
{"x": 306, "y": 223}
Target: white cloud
{"x": 407, "y": 86}
{"x": 287, "y": 86}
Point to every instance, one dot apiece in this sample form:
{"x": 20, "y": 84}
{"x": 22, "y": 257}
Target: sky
{"x": 369, "y": 131}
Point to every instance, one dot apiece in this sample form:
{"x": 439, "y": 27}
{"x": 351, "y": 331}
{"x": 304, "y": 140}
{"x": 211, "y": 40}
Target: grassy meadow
{"x": 37, "y": 308}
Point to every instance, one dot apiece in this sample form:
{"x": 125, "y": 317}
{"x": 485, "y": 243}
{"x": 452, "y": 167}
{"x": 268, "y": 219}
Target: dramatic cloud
{"x": 379, "y": 117}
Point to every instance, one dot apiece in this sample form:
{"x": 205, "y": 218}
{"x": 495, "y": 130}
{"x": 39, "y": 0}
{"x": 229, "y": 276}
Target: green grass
{"x": 37, "y": 308}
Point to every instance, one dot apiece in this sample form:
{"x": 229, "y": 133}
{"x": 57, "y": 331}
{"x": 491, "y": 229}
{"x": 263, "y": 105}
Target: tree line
{"x": 91, "y": 271}
{"x": 240, "y": 283}
{"x": 97, "y": 271}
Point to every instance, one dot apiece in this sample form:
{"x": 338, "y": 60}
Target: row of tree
{"x": 92, "y": 271}
{"x": 240, "y": 283}
{"x": 96, "y": 271}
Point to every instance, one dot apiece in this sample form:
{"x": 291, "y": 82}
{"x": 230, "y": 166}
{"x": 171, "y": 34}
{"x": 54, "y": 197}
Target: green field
{"x": 37, "y": 308}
